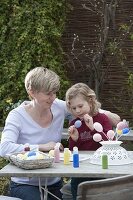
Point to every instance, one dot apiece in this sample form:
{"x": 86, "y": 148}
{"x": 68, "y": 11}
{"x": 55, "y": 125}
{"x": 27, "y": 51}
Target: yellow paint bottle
{"x": 66, "y": 156}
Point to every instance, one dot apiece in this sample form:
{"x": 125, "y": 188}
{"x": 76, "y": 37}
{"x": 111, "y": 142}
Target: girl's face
{"x": 79, "y": 106}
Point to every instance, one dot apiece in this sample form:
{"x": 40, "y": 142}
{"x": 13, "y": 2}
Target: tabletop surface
{"x": 59, "y": 169}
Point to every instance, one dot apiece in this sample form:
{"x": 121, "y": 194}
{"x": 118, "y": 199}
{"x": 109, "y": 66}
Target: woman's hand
{"x": 88, "y": 121}
{"x": 113, "y": 118}
{"x": 60, "y": 146}
{"x": 73, "y": 133}
{"x": 47, "y": 147}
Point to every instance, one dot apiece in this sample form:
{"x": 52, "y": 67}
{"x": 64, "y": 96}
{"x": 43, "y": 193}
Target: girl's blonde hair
{"x": 87, "y": 93}
{"x": 41, "y": 79}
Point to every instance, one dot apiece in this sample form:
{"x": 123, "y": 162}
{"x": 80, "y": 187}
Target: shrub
{"x": 30, "y": 36}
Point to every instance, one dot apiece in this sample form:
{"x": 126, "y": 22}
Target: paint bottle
{"x": 56, "y": 153}
{"x": 75, "y": 157}
{"x": 27, "y": 147}
{"x": 104, "y": 160}
{"x": 66, "y": 156}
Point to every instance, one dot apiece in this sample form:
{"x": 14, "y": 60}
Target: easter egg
{"x": 31, "y": 153}
{"x": 97, "y": 137}
{"x": 77, "y": 124}
{"x": 121, "y": 125}
{"x": 125, "y": 130}
{"x": 51, "y": 153}
{"x": 98, "y": 127}
{"x": 31, "y": 157}
{"x": 119, "y": 132}
{"x": 40, "y": 156}
{"x": 111, "y": 134}
{"x": 22, "y": 156}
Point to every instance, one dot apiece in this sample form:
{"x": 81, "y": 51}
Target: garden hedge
{"x": 30, "y": 36}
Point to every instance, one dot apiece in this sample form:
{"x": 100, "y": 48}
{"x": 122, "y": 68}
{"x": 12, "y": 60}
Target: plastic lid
{"x": 104, "y": 153}
{"x": 57, "y": 145}
{"x": 75, "y": 149}
{"x": 66, "y": 149}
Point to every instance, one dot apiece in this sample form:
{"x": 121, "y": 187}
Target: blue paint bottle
{"x": 75, "y": 157}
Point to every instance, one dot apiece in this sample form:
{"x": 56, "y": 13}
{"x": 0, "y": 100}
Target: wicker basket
{"x": 31, "y": 164}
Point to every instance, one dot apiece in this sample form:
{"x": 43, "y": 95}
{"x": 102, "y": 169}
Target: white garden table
{"x": 86, "y": 169}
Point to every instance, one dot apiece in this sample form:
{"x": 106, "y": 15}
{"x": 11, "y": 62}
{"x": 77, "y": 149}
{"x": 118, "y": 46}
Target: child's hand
{"x": 89, "y": 121}
{"x": 73, "y": 133}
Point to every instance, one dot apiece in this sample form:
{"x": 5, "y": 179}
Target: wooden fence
{"x": 82, "y": 22}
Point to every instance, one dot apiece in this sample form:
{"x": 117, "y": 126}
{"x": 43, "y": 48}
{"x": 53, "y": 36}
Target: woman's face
{"x": 45, "y": 100}
{"x": 79, "y": 106}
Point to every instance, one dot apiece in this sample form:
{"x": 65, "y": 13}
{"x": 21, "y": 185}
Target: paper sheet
{"x": 81, "y": 157}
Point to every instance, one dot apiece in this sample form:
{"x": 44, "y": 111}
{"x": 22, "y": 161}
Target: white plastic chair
{"x": 66, "y": 192}
{"x": 119, "y": 188}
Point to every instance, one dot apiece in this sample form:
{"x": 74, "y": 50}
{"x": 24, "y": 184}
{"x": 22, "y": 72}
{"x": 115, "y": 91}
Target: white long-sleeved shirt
{"x": 20, "y": 129}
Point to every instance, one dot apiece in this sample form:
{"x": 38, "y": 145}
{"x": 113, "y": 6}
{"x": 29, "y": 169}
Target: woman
{"x": 38, "y": 122}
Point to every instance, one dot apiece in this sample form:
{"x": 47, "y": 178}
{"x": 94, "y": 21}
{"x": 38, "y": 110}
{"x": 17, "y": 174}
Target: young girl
{"x": 83, "y": 104}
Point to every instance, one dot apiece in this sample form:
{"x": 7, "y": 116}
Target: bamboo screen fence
{"x": 82, "y": 22}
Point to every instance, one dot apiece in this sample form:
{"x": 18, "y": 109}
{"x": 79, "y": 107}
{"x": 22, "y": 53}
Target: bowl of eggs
{"x": 31, "y": 160}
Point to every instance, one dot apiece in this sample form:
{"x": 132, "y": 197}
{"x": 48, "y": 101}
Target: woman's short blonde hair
{"x": 41, "y": 79}
{"x": 88, "y": 94}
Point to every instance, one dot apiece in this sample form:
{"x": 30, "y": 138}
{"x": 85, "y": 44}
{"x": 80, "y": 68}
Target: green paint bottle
{"x": 104, "y": 161}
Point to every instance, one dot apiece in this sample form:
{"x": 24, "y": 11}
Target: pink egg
{"x": 98, "y": 127}
{"x": 97, "y": 137}
{"x": 121, "y": 125}
{"x": 111, "y": 134}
